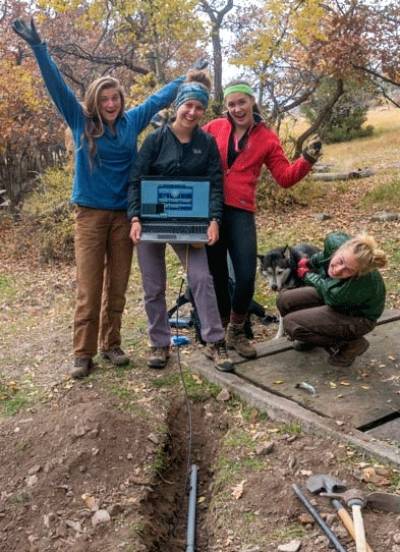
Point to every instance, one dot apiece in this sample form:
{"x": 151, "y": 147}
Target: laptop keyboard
{"x": 175, "y": 228}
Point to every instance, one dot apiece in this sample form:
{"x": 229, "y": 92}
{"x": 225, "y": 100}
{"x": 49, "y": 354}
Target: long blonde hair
{"x": 94, "y": 127}
{"x": 366, "y": 253}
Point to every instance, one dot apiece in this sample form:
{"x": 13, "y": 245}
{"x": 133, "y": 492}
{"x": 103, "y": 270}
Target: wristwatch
{"x": 135, "y": 219}
{"x": 215, "y": 219}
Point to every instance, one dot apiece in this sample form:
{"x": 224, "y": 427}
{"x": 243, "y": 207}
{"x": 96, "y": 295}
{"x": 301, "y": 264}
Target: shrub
{"x": 50, "y": 208}
{"x": 346, "y": 119}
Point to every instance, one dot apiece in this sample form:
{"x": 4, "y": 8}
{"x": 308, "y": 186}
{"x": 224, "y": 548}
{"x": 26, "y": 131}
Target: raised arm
{"x": 143, "y": 113}
{"x": 62, "y": 96}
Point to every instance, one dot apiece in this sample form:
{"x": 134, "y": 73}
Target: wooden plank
{"x": 389, "y": 431}
{"x": 361, "y": 394}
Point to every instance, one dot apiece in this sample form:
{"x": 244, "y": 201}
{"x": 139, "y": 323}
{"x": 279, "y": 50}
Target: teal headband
{"x": 243, "y": 88}
{"x": 192, "y": 91}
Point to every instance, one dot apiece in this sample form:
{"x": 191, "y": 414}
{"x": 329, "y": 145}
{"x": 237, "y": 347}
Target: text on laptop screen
{"x": 174, "y": 199}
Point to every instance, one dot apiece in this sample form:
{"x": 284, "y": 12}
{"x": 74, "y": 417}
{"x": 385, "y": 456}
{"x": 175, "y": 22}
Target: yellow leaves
{"x": 283, "y": 28}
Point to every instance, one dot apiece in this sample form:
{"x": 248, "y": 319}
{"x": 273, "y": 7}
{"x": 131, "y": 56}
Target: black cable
{"x": 188, "y": 406}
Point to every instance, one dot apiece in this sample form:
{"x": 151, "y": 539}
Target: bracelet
{"x": 135, "y": 219}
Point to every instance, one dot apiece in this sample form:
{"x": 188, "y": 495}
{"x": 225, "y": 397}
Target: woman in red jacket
{"x": 245, "y": 144}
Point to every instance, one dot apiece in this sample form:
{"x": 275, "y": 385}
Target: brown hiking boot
{"x": 83, "y": 366}
{"x": 303, "y": 345}
{"x": 348, "y": 352}
{"x": 158, "y": 357}
{"x": 116, "y": 356}
{"x": 218, "y": 353}
{"x": 236, "y": 339}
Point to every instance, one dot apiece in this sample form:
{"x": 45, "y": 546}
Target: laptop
{"x": 174, "y": 210}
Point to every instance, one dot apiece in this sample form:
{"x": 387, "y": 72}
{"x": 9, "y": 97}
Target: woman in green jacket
{"x": 342, "y": 298}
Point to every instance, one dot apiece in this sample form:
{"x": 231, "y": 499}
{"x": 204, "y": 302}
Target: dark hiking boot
{"x": 116, "y": 356}
{"x": 83, "y": 366}
{"x": 303, "y": 345}
{"x": 347, "y": 352}
{"x": 158, "y": 357}
{"x": 236, "y": 339}
{"x": 218, "y": 353}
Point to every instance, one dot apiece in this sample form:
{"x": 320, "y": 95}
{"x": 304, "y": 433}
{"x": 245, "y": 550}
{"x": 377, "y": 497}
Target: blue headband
{"x": 192, "y": 91}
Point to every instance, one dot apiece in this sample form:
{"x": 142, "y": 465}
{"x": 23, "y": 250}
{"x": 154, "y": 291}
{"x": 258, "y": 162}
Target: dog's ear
{"x": 260, "y": 258}
{"x": 286, "y": 253}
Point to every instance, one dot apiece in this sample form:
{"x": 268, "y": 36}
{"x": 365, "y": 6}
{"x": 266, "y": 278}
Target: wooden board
{"x": 367, "y": 391}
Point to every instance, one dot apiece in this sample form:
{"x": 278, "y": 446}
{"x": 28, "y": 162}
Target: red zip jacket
{"x": 262, "y": 146}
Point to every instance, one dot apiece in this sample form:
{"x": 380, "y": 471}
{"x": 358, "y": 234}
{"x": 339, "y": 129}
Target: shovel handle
{"x": 361, "y": 543}
{"x": 345, "y": 518}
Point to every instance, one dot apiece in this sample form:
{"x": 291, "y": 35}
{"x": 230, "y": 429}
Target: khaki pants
{"x": 307, "y": 318}
{"x": 103, "y": 252}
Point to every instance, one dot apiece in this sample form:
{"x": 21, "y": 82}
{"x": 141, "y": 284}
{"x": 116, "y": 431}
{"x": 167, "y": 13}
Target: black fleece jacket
{"x": 163, "y": 155}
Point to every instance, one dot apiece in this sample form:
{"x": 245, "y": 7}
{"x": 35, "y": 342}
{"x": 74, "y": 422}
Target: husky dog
{"x": 279, "y": 266}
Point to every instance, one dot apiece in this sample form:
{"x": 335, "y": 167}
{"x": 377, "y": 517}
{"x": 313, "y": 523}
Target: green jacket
{"x": 363, "y": 296}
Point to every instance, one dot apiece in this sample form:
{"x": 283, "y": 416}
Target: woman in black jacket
{"x": 181, "y": 149}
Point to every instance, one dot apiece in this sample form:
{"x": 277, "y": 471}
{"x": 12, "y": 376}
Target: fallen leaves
{"x": 237, "y": 490}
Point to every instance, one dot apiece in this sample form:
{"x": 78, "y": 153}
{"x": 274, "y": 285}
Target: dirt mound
{"x": 61, "y": 464}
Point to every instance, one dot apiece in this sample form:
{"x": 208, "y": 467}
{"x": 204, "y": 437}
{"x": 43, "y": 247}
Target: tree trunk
{"x": 319, "y": 120}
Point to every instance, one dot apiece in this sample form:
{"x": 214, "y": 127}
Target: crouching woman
{"x": 343, "y": 297}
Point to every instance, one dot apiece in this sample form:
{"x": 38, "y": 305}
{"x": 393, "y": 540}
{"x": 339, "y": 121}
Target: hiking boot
{"x": 83, "y": 366}
{"x": 158, "y": 357}
{"x": 348, "y": 351}
{"x": 219, "y": 354}
{"x": 116, "y": 356}
{"x": 236, "y": 339}
{"x": 303, "y": 345}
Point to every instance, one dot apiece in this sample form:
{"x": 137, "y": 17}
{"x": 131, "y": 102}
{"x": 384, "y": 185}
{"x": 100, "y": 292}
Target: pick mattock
{"x": 331, "y": 486}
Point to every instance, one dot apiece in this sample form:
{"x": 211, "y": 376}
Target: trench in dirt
{"x": 166, "y": 507}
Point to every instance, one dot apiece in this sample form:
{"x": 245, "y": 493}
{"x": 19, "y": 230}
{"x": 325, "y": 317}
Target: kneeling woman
{"x": 181, "y": 149}
{"x": 343, "y": 297}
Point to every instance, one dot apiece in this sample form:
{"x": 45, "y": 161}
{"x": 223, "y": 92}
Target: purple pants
{"x": 154, "y": 277}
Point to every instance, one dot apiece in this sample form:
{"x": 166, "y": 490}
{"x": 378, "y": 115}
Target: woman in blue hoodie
{"x": 105, "y": 137}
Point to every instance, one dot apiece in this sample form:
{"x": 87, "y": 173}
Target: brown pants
{"x": 307, "y": 318}
{"x": 103, "y": 252}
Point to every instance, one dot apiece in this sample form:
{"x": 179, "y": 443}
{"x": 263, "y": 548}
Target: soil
{"x": 118, "y": 443}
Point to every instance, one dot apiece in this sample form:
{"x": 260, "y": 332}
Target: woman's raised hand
{"x": 27, "y": 32}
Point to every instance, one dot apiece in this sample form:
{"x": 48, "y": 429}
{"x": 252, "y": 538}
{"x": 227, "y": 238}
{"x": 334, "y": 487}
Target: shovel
{"x": 322, "y": 482}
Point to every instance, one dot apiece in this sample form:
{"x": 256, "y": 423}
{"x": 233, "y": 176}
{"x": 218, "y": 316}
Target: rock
{"x": 223, "y": 395}
{"x": 32, "y": 480}
{"x": 322, "y": 216}
{"x": 292, "y": 546}
{"x": 265, "y": 448}
{"x": 75, "y": 525}
{"x": 48, "y": 519}
{"x": 385, "y": 216}
{"x": 251, "y": 548}
{"x": 80, "y": 430}
{"x": 129, "y": 456}
{"x": 396, "y": 538}
{"x": 34, "y": 469}
{"x": 153, "y": 438}
{"x": 100, "y": 517}
{"x": 395, "y": 548}
{"x": 306, "y": 519}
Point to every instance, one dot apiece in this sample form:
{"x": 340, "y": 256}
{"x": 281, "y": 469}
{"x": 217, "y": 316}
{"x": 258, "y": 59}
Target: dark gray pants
{"x": 307, "y": 318}
{"x": 154, "y": 276}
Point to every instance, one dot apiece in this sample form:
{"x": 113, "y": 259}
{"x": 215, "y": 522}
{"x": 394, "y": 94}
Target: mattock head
{"x": 352, "y": 497}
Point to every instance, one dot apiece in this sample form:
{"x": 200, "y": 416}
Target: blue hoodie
{"x": 104, "y": 184}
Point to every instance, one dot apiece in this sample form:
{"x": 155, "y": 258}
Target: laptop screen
{"x": 163, "y": 198}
